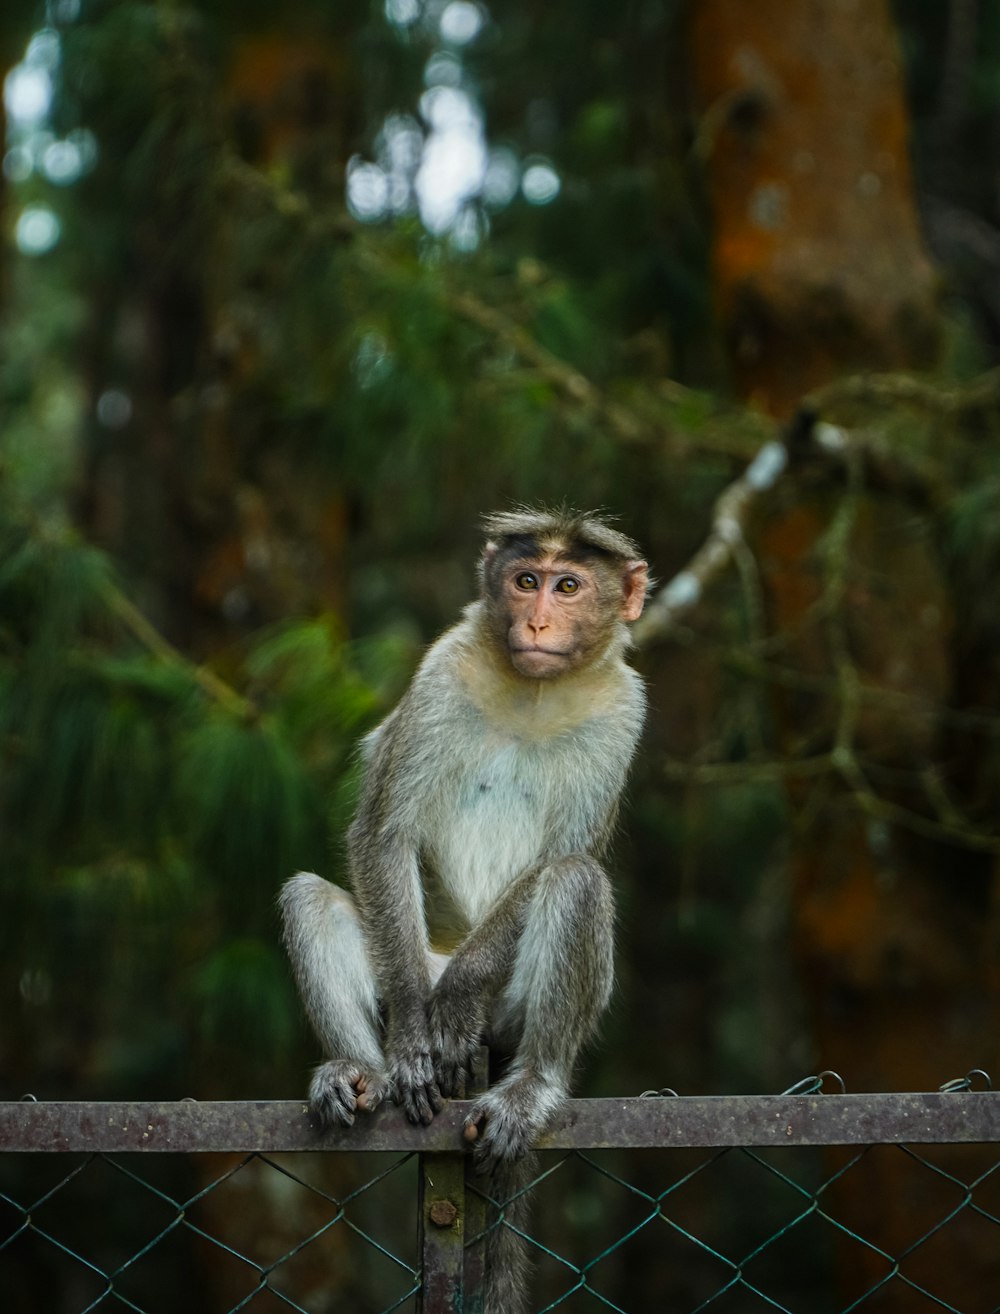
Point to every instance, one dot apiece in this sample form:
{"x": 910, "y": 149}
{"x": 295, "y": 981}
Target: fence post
{"x": 448, "y": 1213}
{"x": 475, "y": 1203}
{"x": 441, "y": 1232}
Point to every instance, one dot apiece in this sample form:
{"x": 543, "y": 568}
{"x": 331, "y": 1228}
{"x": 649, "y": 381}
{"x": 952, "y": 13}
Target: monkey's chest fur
{"x": 491, "y": 817}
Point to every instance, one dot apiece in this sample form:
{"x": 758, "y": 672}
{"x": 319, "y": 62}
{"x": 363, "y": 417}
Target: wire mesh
{"x": 262, "y": 1233}
{"x": 807, "y": 1228}
{"x": 802, "y": 1231}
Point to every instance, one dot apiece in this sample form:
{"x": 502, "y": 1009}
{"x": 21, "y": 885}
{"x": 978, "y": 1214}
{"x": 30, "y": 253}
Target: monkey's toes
{"x": 333, "y": 1105}
{"x": 451, "y": 1079}
{"x": 371, "y": 1091}
{"x": 497, "y": 1135}
{"x": 420, "y": 1102}
{"x": 339, "y": 1087}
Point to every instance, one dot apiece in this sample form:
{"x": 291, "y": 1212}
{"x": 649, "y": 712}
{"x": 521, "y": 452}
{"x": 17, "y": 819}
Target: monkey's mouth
{"x": 536, "y": 651}
{"x": 540, "y": 663}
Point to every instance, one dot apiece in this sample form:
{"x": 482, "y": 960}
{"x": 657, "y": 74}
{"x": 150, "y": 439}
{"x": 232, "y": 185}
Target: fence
{"x": 805, "y": 1202}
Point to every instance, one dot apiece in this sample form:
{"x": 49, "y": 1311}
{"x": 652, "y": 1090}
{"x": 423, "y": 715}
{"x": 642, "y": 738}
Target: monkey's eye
{"x": 526, "y": 581}
{"x": 568, "y": 584}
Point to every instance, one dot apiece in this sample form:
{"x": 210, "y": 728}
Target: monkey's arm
{"x": 384, "y": 857}
{"x": 387, "y": 886}
{"x": 477, "y": 970}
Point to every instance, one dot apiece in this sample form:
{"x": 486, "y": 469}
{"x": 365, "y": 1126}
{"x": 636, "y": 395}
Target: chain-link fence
{"x": 810, "y": 1203}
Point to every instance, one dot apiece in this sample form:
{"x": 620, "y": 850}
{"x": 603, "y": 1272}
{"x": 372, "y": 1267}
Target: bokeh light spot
{"x": 37, "y": 231}
{"x": 27, "y": 94}
{"x": 44, "y": 50}
{"x": 402, "y": 13}
{"x": 540, "y": 183}
{"x": 17, "y": 164}
{"x": 503, "y": 177}
{"x": 114, "y": 408}
{"x": 461, "y": 22}
{"x": 62, "y": 163}
{"x": 443, "y": 69}
{"x": 367, "y": 191}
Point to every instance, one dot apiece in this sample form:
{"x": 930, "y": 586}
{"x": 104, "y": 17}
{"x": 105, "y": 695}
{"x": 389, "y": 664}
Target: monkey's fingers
{"x": 332, "y": 1093}
{"x": 371, "y": 1092}
{"x": 450, "y": 1078}
{"x": 420, "y": 1108}
{"x": 421, "y": 1102}
{"x": 473, "y": 1127}
{"x": 333, "y": 1111}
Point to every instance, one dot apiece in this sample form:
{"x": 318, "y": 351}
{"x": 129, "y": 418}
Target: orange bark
{"x": 288, "y": 91}
{"x": 819, "y": 261}
{"x": 820, "y": 269}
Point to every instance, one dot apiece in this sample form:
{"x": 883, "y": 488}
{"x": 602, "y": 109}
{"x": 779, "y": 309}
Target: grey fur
{"x": 488, "y": 798}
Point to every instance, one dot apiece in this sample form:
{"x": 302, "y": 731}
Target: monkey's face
{"x": 555, "y": 614}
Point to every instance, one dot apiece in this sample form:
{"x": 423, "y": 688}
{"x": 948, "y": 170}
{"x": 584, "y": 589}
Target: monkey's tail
{"x": 508, "y": 1261}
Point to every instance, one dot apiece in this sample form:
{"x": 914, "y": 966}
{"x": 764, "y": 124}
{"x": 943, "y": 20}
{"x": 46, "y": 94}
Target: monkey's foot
{"x": 339, "y": 1087}
{"x": 453, "y": 1049}
{"x": 506, "y": 1120}
{"x": 411, "y": 1075}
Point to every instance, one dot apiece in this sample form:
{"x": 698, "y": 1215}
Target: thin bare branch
{"x": 153, "y": 641}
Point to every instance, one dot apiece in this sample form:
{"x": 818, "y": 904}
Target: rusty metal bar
{"x": 728, "y": 1120}
{"x": 773, "y": 1120}
{"x": 447, "y": 1213}
{"x": 441, "y": 1233}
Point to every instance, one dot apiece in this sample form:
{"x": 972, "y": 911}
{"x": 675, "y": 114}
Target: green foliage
{"x": 303, "y": 669}
{"x": 972, "y": 542}
{"x": 243, "y": 998}
{"x": 974, "y": 527}
{"x": 147, "y": 824}
{"x": 246, "y": 803}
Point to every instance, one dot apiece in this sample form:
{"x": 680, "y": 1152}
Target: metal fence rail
{"x": 806, "y": 1203}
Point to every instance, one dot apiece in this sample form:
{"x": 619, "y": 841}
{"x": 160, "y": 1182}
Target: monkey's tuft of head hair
{"x": 584, "y": 532}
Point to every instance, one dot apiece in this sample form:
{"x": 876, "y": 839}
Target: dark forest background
{"x": 290, "y": 296}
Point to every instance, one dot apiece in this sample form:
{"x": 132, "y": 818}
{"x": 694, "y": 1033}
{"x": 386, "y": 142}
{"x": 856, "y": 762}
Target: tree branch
{"x": 153, "y": 641}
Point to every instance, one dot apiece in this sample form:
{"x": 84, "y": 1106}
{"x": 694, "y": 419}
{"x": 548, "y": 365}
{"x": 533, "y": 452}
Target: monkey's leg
{"x": 559, "y": 987}
{"x": 326, "y": 946}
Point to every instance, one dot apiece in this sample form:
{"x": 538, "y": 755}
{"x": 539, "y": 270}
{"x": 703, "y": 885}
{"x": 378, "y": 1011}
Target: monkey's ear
{"x": 635, "y": 581}
{"x": 489, "y": 552}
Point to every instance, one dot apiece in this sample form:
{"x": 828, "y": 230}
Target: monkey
{"x": 479, "y": 906}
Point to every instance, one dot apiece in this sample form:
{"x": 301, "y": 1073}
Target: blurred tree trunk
{"x": 297, "y": 109}
{"x": 224, "y": 528}
{"x": 819, "y": 264}
{"x": 820, "y": 270}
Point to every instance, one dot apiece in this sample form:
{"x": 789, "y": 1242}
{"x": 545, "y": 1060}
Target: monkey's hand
{"x": 339, "y": 1087}
{"x": 456, "y": 1018}
{"x": 411, "y": 1073}
{"x": 504, "y": 1123}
